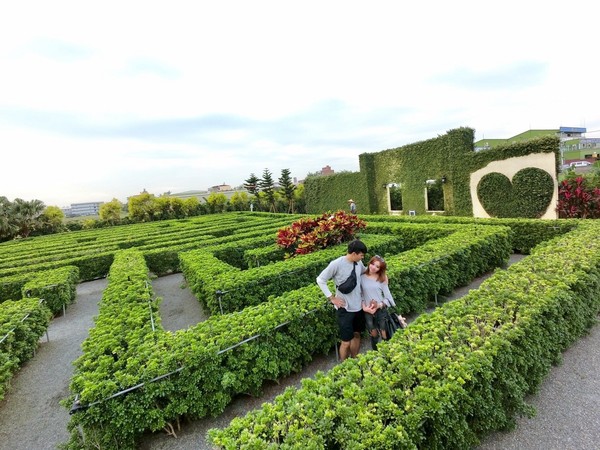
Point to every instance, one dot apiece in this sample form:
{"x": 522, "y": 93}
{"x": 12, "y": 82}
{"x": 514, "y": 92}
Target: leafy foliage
{"x": 111, "y": 211}
{"x": 577, "y": 199}
{"x": 307, "y": 235}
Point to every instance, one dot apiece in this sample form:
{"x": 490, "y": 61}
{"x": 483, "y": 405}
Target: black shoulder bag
{"x": 348, "y": 286}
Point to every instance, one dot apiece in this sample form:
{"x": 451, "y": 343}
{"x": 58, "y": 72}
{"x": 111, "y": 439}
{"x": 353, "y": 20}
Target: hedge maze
{"x": 451, "y": 377}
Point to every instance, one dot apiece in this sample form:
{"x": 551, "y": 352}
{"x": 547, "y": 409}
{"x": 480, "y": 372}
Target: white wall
{"x": 509, "y": 167}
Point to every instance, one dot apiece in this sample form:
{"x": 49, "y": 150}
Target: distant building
{"x": 327, "y": 170}
{"x": 574, "y": 146}
{"x": 202, "y": 196}
{"x": 220, "y": 188}
{"x": 82, "y": 209}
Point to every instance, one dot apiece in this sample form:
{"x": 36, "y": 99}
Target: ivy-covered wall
{"x": 332, "y": 192}
{"x": 450, "y": 157}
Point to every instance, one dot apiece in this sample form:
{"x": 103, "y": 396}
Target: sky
{"x": 101, "y": 100}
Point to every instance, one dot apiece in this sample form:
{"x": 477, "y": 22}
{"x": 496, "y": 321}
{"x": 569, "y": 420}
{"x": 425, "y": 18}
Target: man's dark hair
{"x": 357, "y": 246}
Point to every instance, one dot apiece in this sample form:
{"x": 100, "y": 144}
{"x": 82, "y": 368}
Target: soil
{"x": 31, "y": 417}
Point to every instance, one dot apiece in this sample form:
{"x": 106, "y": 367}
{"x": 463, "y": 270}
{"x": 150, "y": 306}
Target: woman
{"x": 376, "y": 296}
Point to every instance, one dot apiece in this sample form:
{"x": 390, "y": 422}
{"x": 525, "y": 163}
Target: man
{"x": 352, "y": 206}
{"x": 348, "y": 304}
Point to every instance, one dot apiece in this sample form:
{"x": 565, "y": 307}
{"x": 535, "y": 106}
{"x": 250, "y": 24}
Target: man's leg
{"x": 358, "y": 326}
{"x": 355, "y": 345}
{"x": 345, "y": 350}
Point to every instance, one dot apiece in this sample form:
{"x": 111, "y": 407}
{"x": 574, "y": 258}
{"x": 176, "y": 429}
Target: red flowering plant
{"x": 578, "y": 200}
{"x": 307, "y": 235}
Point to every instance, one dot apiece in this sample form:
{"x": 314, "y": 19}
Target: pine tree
{"x": 288, "y": 188}
{"x": 267, "y": 185}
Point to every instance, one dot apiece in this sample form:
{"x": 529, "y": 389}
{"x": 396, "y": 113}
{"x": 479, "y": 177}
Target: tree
{"x": 141, "y": 207}
{"x": 267, "y": 185}
{"x": 239, "y": 201}
{"x": 177, "y": 208}
{"x": 288, "y": 188}
{"x": 111, "y": 212}
{"x": 216, "y": 202}
{"x": 8, "y": 228}
{"x": 252, "y": 184}
{"x": 26, "y": 214}
{"x": 51, "y": 221}
{"x": 191, "y": 207}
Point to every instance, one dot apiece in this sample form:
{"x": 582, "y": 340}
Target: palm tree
{"x": 7, "y": 225}
{"x": 26, "y": 214}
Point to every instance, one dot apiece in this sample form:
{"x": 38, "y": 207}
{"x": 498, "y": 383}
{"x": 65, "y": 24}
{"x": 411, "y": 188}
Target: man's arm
{"x": 322, "y": 280}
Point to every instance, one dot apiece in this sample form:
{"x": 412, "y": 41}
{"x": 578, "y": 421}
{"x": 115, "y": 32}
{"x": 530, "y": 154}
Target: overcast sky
{"x": 100, "y": 100}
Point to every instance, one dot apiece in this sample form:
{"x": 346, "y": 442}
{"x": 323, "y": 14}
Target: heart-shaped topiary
{"x": 529, "y": 194}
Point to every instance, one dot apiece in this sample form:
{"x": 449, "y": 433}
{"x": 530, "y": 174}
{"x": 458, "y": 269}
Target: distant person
{"x": 346, "y": 273}
{"x": 376, "y": 297}
{"x": 352, "y": 206}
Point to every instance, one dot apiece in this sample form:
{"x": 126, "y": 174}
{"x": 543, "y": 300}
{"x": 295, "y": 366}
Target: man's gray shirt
{"x": 339, "y": 270}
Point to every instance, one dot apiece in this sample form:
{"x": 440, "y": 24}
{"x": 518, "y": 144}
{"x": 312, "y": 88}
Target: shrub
{"x": 307, "y": 235}
{"x": 577, "y": 199}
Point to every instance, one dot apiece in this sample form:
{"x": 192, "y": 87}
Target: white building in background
{"x": 83, "y": 209}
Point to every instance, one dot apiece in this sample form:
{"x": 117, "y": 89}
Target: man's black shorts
{"x": 349, "y": 323}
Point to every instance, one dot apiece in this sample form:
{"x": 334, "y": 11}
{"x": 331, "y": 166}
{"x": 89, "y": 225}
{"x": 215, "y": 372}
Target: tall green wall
{"x": 450, "y": 155}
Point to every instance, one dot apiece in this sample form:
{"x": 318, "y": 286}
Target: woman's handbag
{"x": 393, "y": 322}
{"x": 391, "y": 325}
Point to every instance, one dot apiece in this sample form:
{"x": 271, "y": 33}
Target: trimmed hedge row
{"x": 222, "y": 288}
{"x": 453, "y": 375}
{"x": 21, "y": 325}
{"x": 11, "y": 287}
{"x": 526, "y": 235}
{"x": 161, "y": 256}
{"x": 80, "y": 243}
{"x": 57, "y": 287}
{"x": 128, "y": 314}
{"x": 411, "y": 236}
{"x": 439, "y": 266}
{"x": 93, "y": 254}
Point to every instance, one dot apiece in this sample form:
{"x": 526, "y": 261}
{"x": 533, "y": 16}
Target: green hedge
{"x": 92, "y": 251}
{"x": 57, "y": 287}
{"x": 222, "y": 288}
{"x": 527, "y": 233}
{"x": 22, "y": 323}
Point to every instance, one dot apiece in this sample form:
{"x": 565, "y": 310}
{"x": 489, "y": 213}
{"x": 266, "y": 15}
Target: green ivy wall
{"x": 450, "y": 155}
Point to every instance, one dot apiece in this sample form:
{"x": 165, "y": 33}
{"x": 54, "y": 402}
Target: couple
{"x": 363, "y": 303}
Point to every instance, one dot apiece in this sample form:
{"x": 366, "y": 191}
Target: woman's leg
{"x": 369, "y": 320}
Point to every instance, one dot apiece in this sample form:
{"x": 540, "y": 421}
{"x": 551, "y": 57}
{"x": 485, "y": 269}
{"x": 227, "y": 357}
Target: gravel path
{"x": 31, "y": 419}
{"x": 30, "y": 416}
